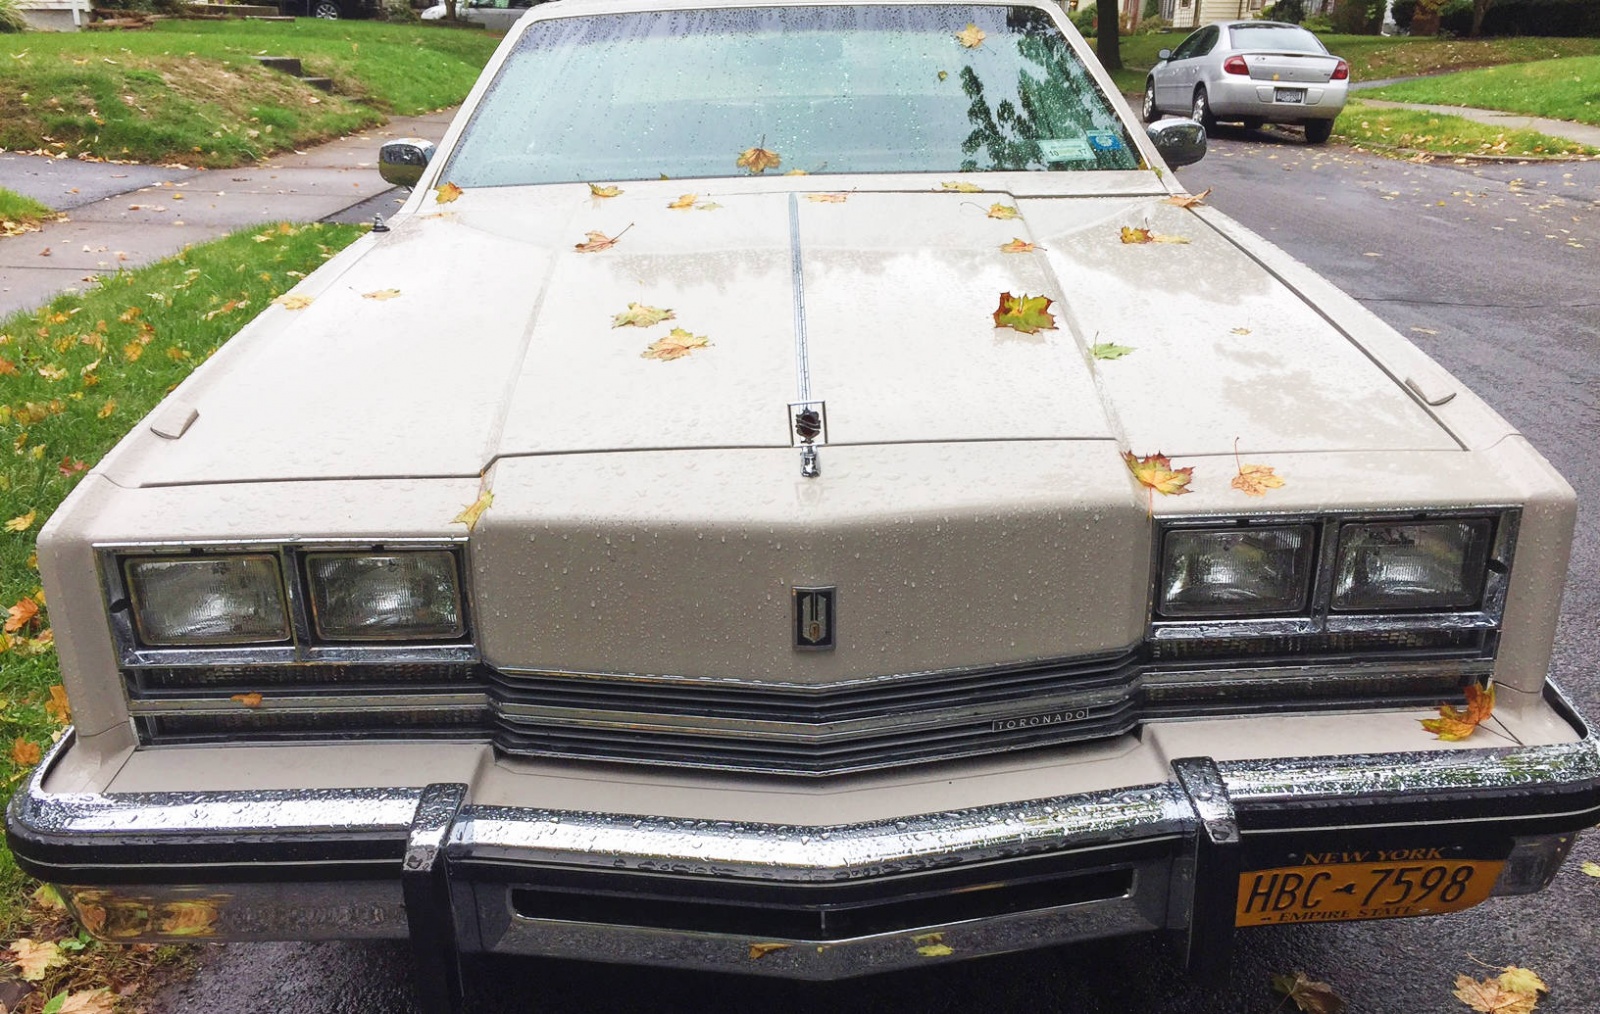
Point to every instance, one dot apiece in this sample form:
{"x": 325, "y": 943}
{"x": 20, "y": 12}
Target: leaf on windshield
{"x": 758, "y": 159}
{"x": 943, "y": 75}
{"x": 1132, "y": 235}
{"x": 639, "y": 315}
{"x": 828, "y": 198}
{"x": 1003, "y": 211}
{"x": 961, "y": 188}
{"x": 1109, "y": 350}
{"x": 1189, "y": 200}
{"x": 675, "y": 345}
{"x": 797, "y": 172}
{"x": 682, "y": 203}
{"x": 597, "y": 190}
{"x": 1310, "y": 996}
{"x": 444, "y": 193}
{"x": 598, "y": 241}
{"x": 1155, "y": 472}
{"x": 381, "y": 294}
{"x": 1028, "y": 314}
{"x": 470, "y": 515}
{"x": 1454, "y": 725}
{"x": 971, "y": 36}
{"x": 1019, "y": 246}
{"x": 250, "y": 700}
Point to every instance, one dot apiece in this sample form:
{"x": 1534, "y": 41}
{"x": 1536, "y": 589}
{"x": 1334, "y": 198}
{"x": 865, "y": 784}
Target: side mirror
{"x": 1165, "y": 54}
{"x": 1180, "y": 142}
{"x": 401, "y": 162}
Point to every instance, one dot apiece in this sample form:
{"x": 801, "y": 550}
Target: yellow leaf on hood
{"x": 961, "y": 187}
{"x": 683, "y": 203}
{"x": 1133, "y": 235}
{"x": 470, "y": 515}
{"x": 828, "y": 198}
{"x": 444, "y": 193}
{"x": 598, "y": 241}
{"x": 1003, "y": 211}
{"x": 1025, "y": 313}
{"x": 607, "y": 191}
{"x": 639, "y": 315}
{"x": 675, "y": 345}
{"x": 1255, "y": 480}
{"x": 381, "y": 294}
{"x": 1155, "y": 472}
{"x": 1018, "y": 246}
{"x": 1189, "y": 200}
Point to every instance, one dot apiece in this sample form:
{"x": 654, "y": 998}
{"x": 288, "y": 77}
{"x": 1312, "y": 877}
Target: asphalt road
{"x": 1492, "y": 269}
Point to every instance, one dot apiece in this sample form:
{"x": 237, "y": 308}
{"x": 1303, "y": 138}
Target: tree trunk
{"x": 1107, "y": 43}
{"x": 1479, "y": 9}
{"x": 449, "y": 10}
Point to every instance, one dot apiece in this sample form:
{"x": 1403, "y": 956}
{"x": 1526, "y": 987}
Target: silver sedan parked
{"x": 1250, "y": 72}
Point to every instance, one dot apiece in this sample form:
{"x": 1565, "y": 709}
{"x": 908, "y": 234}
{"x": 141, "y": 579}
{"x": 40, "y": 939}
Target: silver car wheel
{"x": 325, "y": 9}
{"x": 1150, "y": 112}
{"x": 1201, "y": 112}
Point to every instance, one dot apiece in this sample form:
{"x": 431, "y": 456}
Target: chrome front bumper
{"x": 806, "y": 902}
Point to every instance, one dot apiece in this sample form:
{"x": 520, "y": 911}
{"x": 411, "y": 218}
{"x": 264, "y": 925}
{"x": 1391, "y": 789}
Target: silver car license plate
{"x": 1288, "y": 95}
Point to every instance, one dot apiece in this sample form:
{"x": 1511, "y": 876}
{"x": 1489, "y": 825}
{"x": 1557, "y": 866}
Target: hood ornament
{"x": 808, "y": 429}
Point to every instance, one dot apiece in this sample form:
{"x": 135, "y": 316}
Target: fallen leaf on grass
{"x": 1132, "y": 235}
{"x": 381, "y": 294}
{"x": 444, "y": 193}
{"x": 758, "y": 951}
{"x": 21, "y": 522}
{"x": 1003, "y": 211}
{"x": 1490, "y": 996}
{"x": 21, "y": 614}
{"x": 1155, "y": 472}
{"x": 294, "y": 302}
{"x": 639, "y": 315}
{"x": 470, "y": 515}
{"x": 34, "y": 957}
{"x": 1109, "y": 350}
{"x": 93, "y": 1001}
{"x": 25, "y": 753}
{"x": 971, "y": 36}
{"x": 1025, "y": 313}
{"x": 758, "y": 159}
{"x": 1189, "y": 200}
{"x": 1453, "y": 725}
{"x": 110, "y": 406}
{"x": 604, "y": 191}
{"x": 57, "y": 706}
{"x": 1309, "y": 996}
{"x": 250, "y": 700}
{"x": 675, "y": 345}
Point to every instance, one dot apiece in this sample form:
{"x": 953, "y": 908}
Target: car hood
{"x": 498, "y": 337}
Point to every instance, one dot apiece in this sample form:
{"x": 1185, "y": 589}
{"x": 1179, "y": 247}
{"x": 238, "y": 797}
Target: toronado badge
{"x": 814, "y": 618}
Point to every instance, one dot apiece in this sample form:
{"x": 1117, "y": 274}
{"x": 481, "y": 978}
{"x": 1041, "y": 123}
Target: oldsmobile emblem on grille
{"x": 814, "y": 619}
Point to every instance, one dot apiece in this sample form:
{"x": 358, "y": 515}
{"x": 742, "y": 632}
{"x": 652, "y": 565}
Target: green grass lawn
{"x": 19, "y": 214}
{"x": 1566, "y": 89}
{"x": 74, "y": 377}
{"x": 1410, "y": 130}
{"x": 191, "y": 92}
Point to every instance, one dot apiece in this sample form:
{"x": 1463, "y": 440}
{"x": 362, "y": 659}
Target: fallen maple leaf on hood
{"x": 1024, "y": 313}
{"x": 1155, "y": 472}
{"x": 1453, "y": 725}
{"x": 470, "y": 515}
{"x": 1135, "y": 236}
{"x": 639, "y": 315}
{"x": 598, "y": 241}
{"x": 1189, "y": 200}
{"x": 606, "y": 191}
{"x": 444, "y": 193}
{"x": 675, "y": 345}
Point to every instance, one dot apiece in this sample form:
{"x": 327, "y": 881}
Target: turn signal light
{"x": 1340, "y": 73}
{"x": 1236, "y": 65}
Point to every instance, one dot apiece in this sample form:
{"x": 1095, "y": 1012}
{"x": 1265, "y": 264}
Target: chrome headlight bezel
{"x": 1319, "y": 615}
{"x": 302, "y": 643}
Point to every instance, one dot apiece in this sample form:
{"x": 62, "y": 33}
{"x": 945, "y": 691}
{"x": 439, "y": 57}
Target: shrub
{"x": 1154, "y": 25}
{"x": 1455, "y": 18}
{"x": 1317, "y": 23}
{"x": 398, "y": 10}
{"x": 1402, "y": 11}
{"x": 1525, "y": 17}
{"x": 11, "y": 19}
{"x": 1083, "y": 19}
{"x": 1293, "y": 11}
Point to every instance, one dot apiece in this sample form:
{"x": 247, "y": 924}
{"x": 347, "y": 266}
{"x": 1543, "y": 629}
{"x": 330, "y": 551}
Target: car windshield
{"x": 1275, "y": 38}
{"x": 934, "y": 88}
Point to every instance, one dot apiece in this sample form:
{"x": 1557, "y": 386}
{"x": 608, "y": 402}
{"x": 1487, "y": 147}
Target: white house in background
{"x": 1193, "y": 13}
{"x": 55, "y": 15}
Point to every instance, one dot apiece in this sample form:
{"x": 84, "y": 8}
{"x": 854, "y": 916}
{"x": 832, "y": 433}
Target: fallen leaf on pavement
{"x": 1488, "y": 996}
{"x": 1310, "y": 996}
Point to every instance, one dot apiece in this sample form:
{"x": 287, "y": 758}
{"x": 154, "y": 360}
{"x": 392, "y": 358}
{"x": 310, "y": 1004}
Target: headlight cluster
{"x": 222, "y": 598}
{"x": 1373, "y": 567}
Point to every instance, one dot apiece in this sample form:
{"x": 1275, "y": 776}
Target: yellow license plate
{"x": 1338, "y": 892}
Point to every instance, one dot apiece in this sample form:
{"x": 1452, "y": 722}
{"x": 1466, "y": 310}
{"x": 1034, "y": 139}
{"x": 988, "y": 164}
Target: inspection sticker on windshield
{"x": 1104, "y": 140}
{"x": 1064, "y": 149}
{"x": 1334, "y": 891}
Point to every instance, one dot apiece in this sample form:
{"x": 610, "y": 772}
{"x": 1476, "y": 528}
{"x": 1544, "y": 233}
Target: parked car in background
{"x": 822, "y": 545}
{"x": 1250, "y": 72}
{"x": 330, "y": 10}
{"x": 495, "y": 15}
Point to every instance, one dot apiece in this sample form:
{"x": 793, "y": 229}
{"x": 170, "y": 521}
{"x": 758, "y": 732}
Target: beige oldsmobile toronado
{"x": 776, "y": 527}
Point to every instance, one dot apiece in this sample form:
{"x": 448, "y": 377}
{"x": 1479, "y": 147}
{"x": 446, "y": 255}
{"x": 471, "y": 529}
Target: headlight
{"x": 1434, "y": 565}
{"x": 207, "y": 600}
{"x": 1235, "y": 571}
{"x": 384, "y": 596}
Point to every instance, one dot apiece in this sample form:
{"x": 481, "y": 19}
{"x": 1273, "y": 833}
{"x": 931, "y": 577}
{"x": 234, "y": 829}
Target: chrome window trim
{"x": 304, "y": 647}
{"x": 1319, "y": 617}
